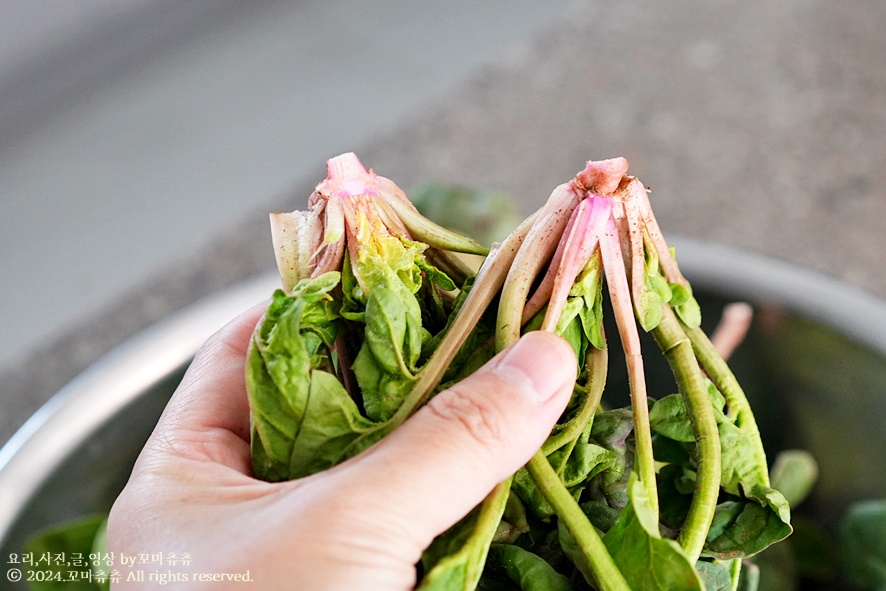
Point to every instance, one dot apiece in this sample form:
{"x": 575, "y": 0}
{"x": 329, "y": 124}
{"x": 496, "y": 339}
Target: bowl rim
{"x": 120, "y": 376}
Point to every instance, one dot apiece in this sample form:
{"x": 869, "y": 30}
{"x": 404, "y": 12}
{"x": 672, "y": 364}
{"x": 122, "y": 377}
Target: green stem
{"x": 677, "y": 349}
{"x": 424, "y": 230}
{"x": 737, "y": 402}
{"x": 491, "y": 510}
{"x": 596, "y": 361}
{"x": 605, "y": 570}
{"x": 735, "y": 573}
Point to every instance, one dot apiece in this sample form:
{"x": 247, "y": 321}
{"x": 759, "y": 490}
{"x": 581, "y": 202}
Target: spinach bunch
{"x": 369, "y": 288}
{"x": 377, "y": 314}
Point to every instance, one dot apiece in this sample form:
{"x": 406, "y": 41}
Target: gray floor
{"x": 180, "y": 142}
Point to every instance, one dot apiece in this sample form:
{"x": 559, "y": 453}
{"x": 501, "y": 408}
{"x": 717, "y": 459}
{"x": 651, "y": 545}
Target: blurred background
{"x": 143, "y": 142}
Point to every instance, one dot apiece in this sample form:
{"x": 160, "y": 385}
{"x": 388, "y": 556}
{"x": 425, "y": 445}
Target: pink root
{"x": 602, "y": 176}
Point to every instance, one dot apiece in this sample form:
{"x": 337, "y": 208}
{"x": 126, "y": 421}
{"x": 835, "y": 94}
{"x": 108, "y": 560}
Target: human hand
{"x": 361, "y": 525}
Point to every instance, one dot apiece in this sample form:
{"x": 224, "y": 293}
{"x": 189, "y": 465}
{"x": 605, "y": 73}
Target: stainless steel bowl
{"x": 828, "y": 338}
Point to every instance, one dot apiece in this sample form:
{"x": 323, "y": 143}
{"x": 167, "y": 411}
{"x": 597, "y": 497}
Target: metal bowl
{"x": 814, "y": 367}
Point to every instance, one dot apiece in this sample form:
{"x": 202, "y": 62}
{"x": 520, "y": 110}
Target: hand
{"x": 360, "y": 525}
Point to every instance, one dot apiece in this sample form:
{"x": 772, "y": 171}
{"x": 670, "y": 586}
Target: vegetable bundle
{"x": 379, "y": 311}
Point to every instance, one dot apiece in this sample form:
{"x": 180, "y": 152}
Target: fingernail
{"x": 546, "y": 360}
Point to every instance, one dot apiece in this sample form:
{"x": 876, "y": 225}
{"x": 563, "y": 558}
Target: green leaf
{"x": 749, "y": 580}
{"x": 588, "y": 288}
{"x": 385, "y": 366}
{"x": 353, "y": 302}
{"x": 573, "y": 334}
{"x": 515, "y": 513}
{"x": 601, "y": 515}
{"x": 529, "y": 571}
{"x": 578, "y": 462}
{"x": 656, "y": 291}
{"x": 675, "y": 490}
{"x": 525, "y": 487}
{"x": 714, "y": 575}
{"x": 738, "y": 460}
{"x": 570, "y": 310}
{"x": 794, "y": 473}
{"x": 331, "y": 425}
{"x": 647, "y": 561}
{"x": 863, "y": 544}
{"x": 649, "y": 309}
{"x": 292, "y": 340}
{"x": 745, "y": 527}
{"x": 77, "y": 536}
{"x": 611, "y": 430}
{"x": 685, "y": 305}
{"x": 586, "y": 461}
{"x": 669, "y": 417}
{"x": 575, "y": 463}
{"x": 386, "y": 333}
{"x": 383, "y": 392}
{"x": 477, "y": 349}
{"x": 454, "y": 561}
{"x": 274, "y": 421}
{"x": 435, "y": 275}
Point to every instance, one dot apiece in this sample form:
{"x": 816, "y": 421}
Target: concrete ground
{"x": 758, "y": 125}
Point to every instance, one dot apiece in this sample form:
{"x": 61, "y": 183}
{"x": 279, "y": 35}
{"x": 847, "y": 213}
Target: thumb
{"x": 444, "y": 460}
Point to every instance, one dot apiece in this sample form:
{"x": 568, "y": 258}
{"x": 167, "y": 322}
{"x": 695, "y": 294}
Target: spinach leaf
{"x": 863, "y": 544}
{"x": 386, "y": 364}
{"x": 515, "y": 514}
{"x": 669, "y": 417}
{"x": 382, "y": 392}
{"x": 745, "y": 527}
{"x": 529, "y": 571}
{"x": 749, "y": 580}
{"x": 455, "y": 560}
{"x": 612, "y": 430}
{"x": 588, "y": 292}
{"x": 675, "y": 487}
{"x": 331, "y": 426}
{"x": 647, "y": 561}
{"x": 684, "y": 303}
{"x": 391, "y": 334}
{"x": 656, "y": 290}
{"x": 760, "y": 517}
{"x": 293, "y": 338}
{"x": 794, "y": 473}
{"x": 738, "y": 462}
{"x": 435, "y": 275}
{"x": 714, "y": 575}
{"x": 531, "y": 496}
{"x": 575, "y": 463}
{"x": 78, "y": 536}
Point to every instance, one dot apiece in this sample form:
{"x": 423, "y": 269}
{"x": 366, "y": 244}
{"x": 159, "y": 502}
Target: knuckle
{"x": 478, "y": 417}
